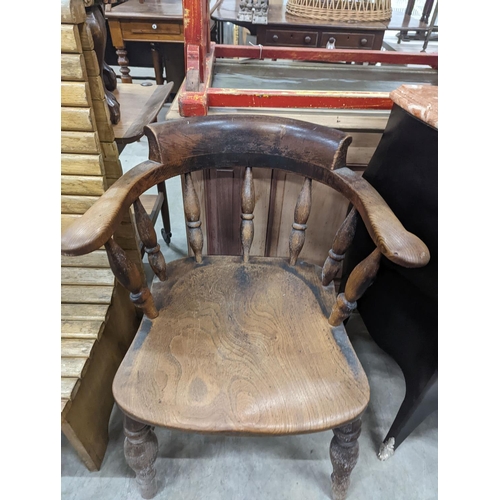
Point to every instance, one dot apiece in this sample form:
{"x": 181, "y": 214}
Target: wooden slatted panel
{"x": 79, "y": 142}
{"x": 86, "y": 37}
{"x": 99, "y": 258}
{"x": 96, "y": 87}
{"x": 65, "y": 403}
{"x": 101, "y": 111}
{"x": 76, "y": 348}
{"x": 72, "y": 204}
{"x": 90, "y": 294}
{"x": 77, "y": 119}
{"x": 70, "y": 39}
{"x": 83, "y": 312}
{"x": 69, "y": 387}
{"x": 82, "y": 329}
{"x": 84, "y": 185}
{"x": 106, "y": 133}
{"x": 75, "y": 164}
{"x": 73, "y": 67}
{"x": 113, "y": 167}
{"x": 91, "y": 63}
{"x": 72, "y": 12}
{"x": 75, "y": 94}
{"x": 73, "y": 367}
{"x": 87, "y": 276}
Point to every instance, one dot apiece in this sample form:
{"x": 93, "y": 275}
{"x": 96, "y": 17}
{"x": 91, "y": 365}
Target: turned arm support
{"x": 390, "y": 237}
{"x": 96, "y": 226}
{"x": 393, "y": 241}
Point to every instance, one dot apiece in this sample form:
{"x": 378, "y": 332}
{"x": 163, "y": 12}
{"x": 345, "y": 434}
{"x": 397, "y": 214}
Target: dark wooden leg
{"x": 426, "y": 12}
{"x": 157, "y": 63}
{"x": 166, "y": 232}
{"x": 416, "y": 407}
{"x": 97, "y": 24}
{"x": 123, "y": 63}
{"x": 141, "y": 450}
{"x": 109, "y": 76}
{"x": 344, "y": 451}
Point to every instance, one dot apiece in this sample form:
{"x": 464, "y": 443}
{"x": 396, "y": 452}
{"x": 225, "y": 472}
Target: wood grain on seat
{"x": 242, "y": 348}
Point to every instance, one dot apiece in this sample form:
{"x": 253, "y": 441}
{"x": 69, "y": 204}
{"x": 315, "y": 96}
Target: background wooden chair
{"x": 243, "y": 345}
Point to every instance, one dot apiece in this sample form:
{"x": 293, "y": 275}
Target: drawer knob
{"x": 275, "y": 38}
{"x": 363, "y": 41}
{"x": 307, "y": 39}
{"x": 154, "y": 26}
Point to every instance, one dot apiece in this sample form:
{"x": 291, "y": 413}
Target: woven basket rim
{"x": 329, "y": 10}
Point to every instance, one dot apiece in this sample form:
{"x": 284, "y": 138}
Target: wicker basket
{"x": 341, "y": 10}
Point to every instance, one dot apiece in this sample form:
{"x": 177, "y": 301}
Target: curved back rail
{"x": 182, "y": 146}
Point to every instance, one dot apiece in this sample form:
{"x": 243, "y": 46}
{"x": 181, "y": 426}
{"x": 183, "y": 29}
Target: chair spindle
{"x": 341, "y": 242}
{"x": 247, "y": 208}
{"x": 361, "y": 277}
{"x": 147, "y": 234}
{"x": 302, "y": 211}
{"x": 192, "y": 211}
{"x": 128, "y": 275}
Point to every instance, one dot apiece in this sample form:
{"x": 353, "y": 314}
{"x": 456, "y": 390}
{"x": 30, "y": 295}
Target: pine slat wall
{"x": 89, "y": 165}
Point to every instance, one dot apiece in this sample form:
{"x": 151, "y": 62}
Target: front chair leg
{"x": 141, "y": 449}
{"x": 344, "y": 451}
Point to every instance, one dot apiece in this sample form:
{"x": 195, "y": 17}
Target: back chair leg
{"x": 141, "y": 450}
{"x": 344, "y": 451}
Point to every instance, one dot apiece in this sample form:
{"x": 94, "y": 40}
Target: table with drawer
{"x": 153, "y": 22}
{"x": 286, "y": 30}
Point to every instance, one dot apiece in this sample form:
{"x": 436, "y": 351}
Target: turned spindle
{"x": 123, "y": 63}
{"x": 141, "y": 450}
{"x": 302, "y": 211}
{"x": 361, "y": 277}
{"x": 247, "y": 208}
{"x": 341, "y": 242}
{"x": 344, "y": 452}
{"x": 147, "y": 235}
{"x": 128, "y": 275}
{"x": 192, "y": 211}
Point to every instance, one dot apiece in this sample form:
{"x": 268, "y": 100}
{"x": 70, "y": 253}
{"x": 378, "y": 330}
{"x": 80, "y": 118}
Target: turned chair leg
{"x": 344, "y": 451}
{"x": 141, "y": 450}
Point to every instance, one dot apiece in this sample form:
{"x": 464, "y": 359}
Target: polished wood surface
{"x": 242, "y": 348}
{"x": 140, "y": 105}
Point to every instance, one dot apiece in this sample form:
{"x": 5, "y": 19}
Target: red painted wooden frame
{"x": 196, "y": 95}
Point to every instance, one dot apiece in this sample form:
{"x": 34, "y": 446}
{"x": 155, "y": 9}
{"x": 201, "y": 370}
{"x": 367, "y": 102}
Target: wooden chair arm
{"x": 385, "y": 229}
{"x": 97, "y": 225}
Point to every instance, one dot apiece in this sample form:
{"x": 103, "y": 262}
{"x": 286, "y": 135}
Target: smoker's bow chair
{"x": 242, "y": 345}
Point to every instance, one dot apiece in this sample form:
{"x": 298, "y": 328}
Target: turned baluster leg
{"x": 192, "y": 211}
{"x": 344, "y": 452}
{"x": 361, "y": 277}
{"x": 299, "y": 226}
{"x": 141, "y": 450}
{"x": 128, "y": 275}
{"x": 341, "y": 242}
{"x": 123, "y": 63}
{"x": 247, "y": 208}
{"x": 147, "y": 235}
